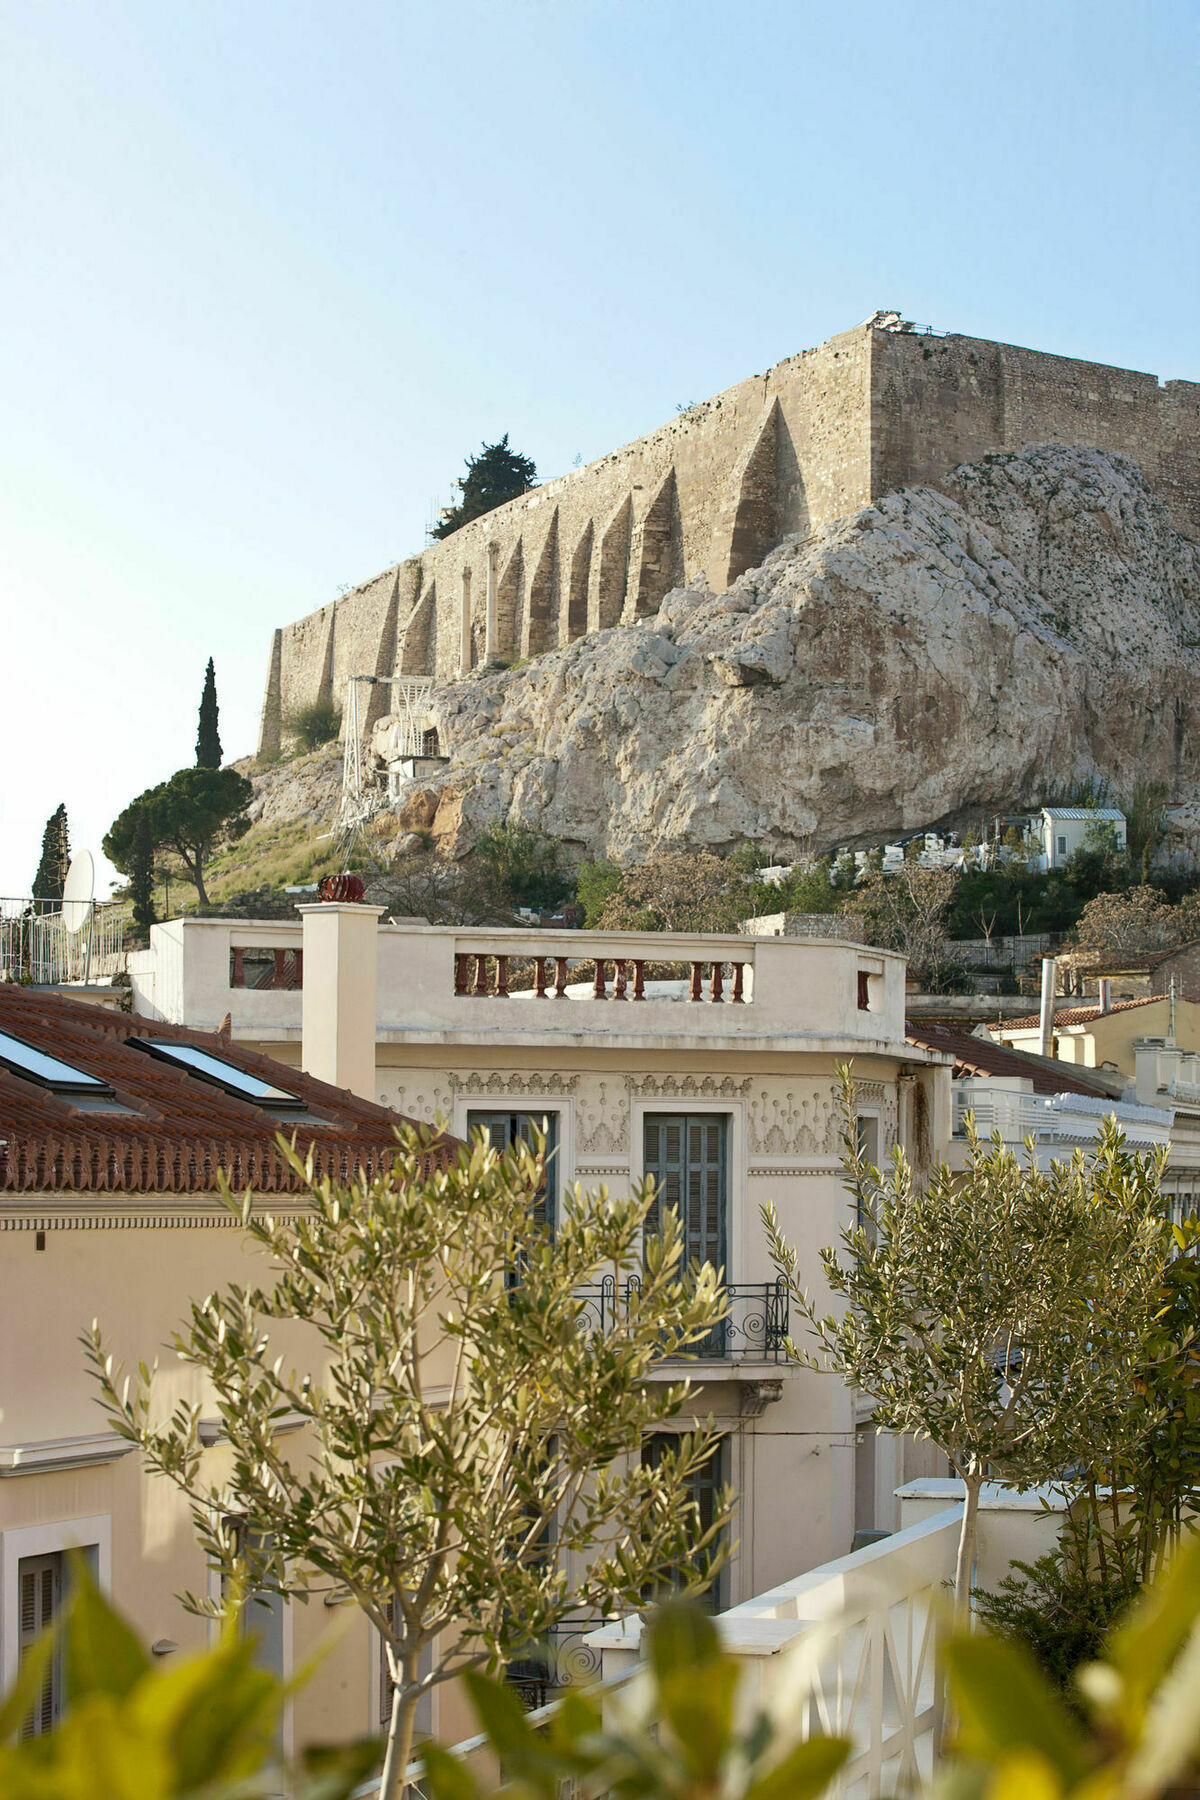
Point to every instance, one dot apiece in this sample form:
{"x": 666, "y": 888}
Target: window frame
{"x": 91, "y": 1535}
{"x": 739, "y": 1250}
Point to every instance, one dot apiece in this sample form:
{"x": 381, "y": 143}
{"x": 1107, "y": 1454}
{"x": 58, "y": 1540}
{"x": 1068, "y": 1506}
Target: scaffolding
{"x": 362, "y": 795}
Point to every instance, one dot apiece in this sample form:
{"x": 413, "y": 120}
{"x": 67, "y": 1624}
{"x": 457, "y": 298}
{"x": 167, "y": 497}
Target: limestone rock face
{"x": 1036, "y": 623}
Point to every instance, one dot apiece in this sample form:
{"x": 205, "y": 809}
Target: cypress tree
{"x": 208, "y": 743}
{"x": 56, "y": 854}
{"x": 141, "y": 871}
{"x": 497, "y": 474}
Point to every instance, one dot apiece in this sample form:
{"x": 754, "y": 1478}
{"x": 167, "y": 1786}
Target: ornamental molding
{"x": 138, "y": 1221}
{"x": 688, "y": 1087}
{"x": 871, "y": 1090}
{"x": 803, "y": 1120}
{"x": 51, "y": 1455}
{"x": 602, "y": 1121}
{"x": 601, "y": 1169}
{"x": 754, "y": 1397}
{"x": 501, "y": 1082}
{"x": 769, "y": 1171}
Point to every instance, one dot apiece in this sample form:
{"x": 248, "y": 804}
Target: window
{"x": 222, "y": 1074}
{"x": 687, "y": 1155}
{"x": 864, "y": 991}
{"x": 48, "y": 1072}
{"x": 866, "y": 1131}
{"x": 704, "y": 1485}
{"x": 504, "y": 1129}
{"x": 251, "y": 967}
{"x": 1062, "y": 846}
{"x": 262, "y": 1613}
{"x": 40, "y": 1587}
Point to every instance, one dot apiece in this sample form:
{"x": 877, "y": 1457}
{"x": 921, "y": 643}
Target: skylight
{"x": 48, "y": 1071}
{"x": 220, "y": 1073}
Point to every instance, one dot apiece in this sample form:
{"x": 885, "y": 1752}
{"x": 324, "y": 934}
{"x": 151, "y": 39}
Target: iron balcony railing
{"x": 755, "y": 1326}
{"x": 561, "y": 1659}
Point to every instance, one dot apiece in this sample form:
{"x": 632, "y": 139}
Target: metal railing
{"x": 559, "y": 1660}
{"x": 755, "y": 1326}
{"x": 37, "y": 947}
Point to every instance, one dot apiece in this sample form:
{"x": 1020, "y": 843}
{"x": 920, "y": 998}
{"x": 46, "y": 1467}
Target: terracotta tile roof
{"x": 1075, "y": 1015}
{"x": 179, "y": 1131}
{"x": 981, "y": 1056}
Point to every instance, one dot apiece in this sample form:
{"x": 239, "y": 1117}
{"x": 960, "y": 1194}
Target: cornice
{"x": 49, "y": 1456}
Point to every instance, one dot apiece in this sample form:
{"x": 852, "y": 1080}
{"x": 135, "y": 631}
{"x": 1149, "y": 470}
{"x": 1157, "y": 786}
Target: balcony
{"x": 755, "y": 1328}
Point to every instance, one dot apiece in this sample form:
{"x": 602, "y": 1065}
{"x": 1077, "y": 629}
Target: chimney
{"x": 1102, "y": 991}
{"x": 341, "y": 962}
{"x": 1049, "y": 967}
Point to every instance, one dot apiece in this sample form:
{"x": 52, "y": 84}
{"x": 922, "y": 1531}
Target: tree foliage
{"x": 908, "y": 911}
{"x": 1134, "y": 922}
{"x": 190, "y": 815}
{"x": 205, "y": 1727}
{"x": 523, "y": 866}
{"x": 315, "y": 725}
{"x": 208, "y": 739}
{"x": 1002, "y": 1311}
{"x": 497, "y": 474}
{"x": 678, "y": 890}
{"x": 459, "y": 1411}
{"x": 51, "y": 874}
{"x": 141, "y": 871}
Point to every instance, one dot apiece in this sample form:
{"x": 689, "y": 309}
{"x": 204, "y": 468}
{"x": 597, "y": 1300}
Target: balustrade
{"x": 755, "y": 1326}
{"x": 481, "y": 975}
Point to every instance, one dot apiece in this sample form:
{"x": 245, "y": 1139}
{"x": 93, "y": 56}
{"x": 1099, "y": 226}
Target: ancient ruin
{"x": 706, "y": 497}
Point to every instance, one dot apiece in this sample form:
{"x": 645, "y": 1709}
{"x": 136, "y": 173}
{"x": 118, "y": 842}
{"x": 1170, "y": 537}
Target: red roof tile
{"x": 1075, "y": 1015}
{"x": 181, "y": 1132}
{"x": 980, "y": 1056}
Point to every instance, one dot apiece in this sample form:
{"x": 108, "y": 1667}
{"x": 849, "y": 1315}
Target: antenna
{"x": 77, "y": 908}
{"x": 78, "y": 890}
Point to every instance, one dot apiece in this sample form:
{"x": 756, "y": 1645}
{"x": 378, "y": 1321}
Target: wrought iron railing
{"x": 559, "y": 1660}
{"x": 755, "y": 1326}
{"x": 43, "y": 946}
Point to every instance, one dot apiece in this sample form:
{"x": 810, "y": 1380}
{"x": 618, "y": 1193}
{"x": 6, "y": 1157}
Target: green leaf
{"x": 19, "y": 1702}
{"x": 1145, "y": 1647}
{"x": 502, "y": 1716}
{"x": 447, "y": 1777}
{"x": 102, "y": 1653}
{"x": 1004, "y": 1703}
{"x": 806, "y": 1770}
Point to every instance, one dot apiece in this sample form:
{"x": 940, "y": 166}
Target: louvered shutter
{"x": 40, "y": 1582}
{"x": 686, "y": 1154}
{"x": 504, "y": 1129}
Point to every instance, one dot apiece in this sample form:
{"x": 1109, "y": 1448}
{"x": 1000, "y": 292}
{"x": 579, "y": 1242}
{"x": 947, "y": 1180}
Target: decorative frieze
{"x": 602, "y": 1120}
{"x": 688, "y": 1087}
{"x": 800, "y": 1119}
{"x": 502, "y": 1082}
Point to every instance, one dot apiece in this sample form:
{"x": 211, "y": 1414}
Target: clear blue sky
{"x": 273, "y": 269}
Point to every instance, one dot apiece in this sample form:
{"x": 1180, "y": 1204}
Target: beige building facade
{"x": 707, "y": 1062}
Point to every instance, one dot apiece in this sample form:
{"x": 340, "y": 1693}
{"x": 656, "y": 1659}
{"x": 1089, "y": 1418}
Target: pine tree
{"x": 56, "y": 855}
{"x": 497, "y": 474}
{"x": 141, "y": 872}
{"x": 208, "y": 743}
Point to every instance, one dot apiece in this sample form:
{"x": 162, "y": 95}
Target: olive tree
{"x": 1002, "y": 1311}
{"x": 471, "y": 1471}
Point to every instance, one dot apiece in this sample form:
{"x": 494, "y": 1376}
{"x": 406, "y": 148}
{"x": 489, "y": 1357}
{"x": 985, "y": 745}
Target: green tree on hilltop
{"x": 190, "y": 815}
{"x": 56, "y": 856}
{"x": 208, "y": 742}
{"x": 497, "y": 474}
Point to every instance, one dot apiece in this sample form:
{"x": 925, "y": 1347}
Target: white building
{"x": 1059, "y": 831}
{"x": 709, "y": 1062}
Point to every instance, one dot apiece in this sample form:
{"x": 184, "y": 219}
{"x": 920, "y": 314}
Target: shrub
{"x": 523, "y": 865}
{"x": 314, "y": 725}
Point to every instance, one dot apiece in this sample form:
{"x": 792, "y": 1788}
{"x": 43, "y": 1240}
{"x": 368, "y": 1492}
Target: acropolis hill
{"x": 707, "y": 496}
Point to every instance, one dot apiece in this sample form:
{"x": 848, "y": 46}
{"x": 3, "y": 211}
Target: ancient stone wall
{"x": 709, "y": 494}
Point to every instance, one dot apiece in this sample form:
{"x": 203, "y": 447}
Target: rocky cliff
{"x": 1034, "y": 622}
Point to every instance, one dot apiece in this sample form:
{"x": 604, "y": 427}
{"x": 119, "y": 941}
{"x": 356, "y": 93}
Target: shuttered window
{"x": 504, "y": 1129}
{"x": 703, "y": 1487}
{"x": 39, "y": 1580}
{"x": 687, "y": 1154}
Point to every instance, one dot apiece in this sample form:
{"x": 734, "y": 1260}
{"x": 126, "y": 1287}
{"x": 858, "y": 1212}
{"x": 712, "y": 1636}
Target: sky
{"x": 271, "y": 271}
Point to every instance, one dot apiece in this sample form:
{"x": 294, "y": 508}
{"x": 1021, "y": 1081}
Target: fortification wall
{"x": 940, "y": 401}
{"x": 709, "y": 494}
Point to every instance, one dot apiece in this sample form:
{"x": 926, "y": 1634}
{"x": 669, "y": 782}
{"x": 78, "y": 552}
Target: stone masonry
{"x": 710, "y": 494}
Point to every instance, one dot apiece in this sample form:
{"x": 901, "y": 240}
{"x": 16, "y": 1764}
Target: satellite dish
{"x": 78, "y": 889}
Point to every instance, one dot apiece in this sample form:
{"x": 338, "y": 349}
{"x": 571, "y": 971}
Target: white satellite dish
{"x": 78, "y": 890}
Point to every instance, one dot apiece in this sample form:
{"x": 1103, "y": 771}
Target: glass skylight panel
{"x": 46, "y": 1070}
{"x": 221, "y": 1073}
